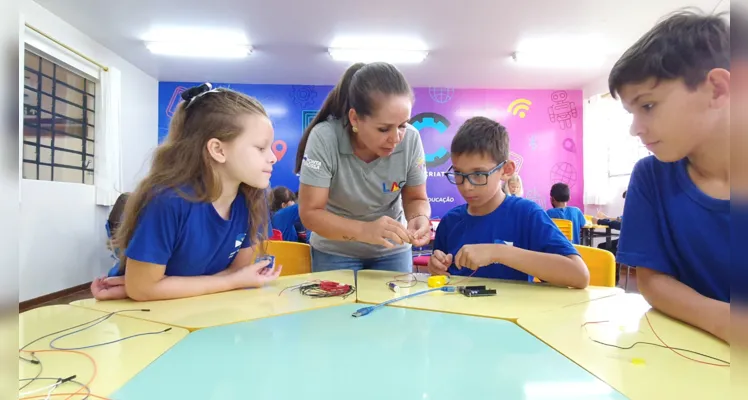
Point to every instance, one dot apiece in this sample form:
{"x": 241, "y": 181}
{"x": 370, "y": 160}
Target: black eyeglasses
{"x": 475, "y": 178}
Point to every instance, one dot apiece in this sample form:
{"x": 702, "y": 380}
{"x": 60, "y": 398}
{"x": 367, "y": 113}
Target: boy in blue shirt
{"x": 676, "y": 82}
{"x": 560, "y": 195}
{"x": 495, "y": 235}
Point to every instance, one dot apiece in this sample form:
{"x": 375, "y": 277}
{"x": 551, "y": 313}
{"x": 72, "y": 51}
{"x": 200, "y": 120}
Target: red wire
{"x": 463, "y": 279}
{"x": 646, "y": 315}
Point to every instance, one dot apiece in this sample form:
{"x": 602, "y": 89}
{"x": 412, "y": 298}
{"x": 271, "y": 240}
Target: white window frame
{"x": 107, "y": 140}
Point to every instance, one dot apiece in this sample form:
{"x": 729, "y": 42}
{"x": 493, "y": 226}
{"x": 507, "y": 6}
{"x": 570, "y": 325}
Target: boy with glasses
{"x": 493, "y": 235}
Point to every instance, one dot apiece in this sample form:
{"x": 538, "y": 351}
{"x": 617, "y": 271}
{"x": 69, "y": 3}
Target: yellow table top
{"x": 239, "y": 305}
{"x": 644, "y": 372}
{"x": 115, "y": 363}
{"x": 513, "y": 299}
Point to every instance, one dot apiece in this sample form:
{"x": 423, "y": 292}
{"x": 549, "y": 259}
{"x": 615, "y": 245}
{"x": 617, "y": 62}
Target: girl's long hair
{"x": 182, "y": 163}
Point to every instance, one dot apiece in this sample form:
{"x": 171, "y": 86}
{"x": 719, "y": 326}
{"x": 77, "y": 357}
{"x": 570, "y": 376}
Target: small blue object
{"x": 267, "y": 257}
{"x": 366, "y": 310}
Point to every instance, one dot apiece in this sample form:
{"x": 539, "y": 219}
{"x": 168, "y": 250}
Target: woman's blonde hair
{"x": 183, "y": 162}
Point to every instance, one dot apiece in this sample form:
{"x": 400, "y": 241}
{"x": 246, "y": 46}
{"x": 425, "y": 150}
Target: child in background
{"x": 675, "y": 81}
{"x": 189, "y": 227}
{"x": 494, "y": 235}
{"x": 560, "y": 195}
{"x": 112, "y": 223}
{"x": 513, "y": 186}
{"x": 281, "y": 197}
{"x": 286, "y": 215}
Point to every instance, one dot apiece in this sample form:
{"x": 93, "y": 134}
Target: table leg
{"x": 608, "y": 241}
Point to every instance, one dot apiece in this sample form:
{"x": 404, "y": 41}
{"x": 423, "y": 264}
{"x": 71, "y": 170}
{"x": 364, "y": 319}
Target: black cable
{"x": 62, "y": 380}
{"x": 91, "y": 323}
{"x": 661, "y": 346}
{"x": 94, "y": 322}
{"x": 36, "y": 361}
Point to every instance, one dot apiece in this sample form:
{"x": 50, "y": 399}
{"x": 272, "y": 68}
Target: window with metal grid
{"x": 58, "y": 122}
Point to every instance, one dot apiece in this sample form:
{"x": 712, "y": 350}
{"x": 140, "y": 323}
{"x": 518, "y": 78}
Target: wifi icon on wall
{"x": 519, "y": 107}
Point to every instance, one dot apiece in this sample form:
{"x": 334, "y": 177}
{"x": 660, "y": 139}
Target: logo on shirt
{"x": 237, "y": 244}
{"x": 421, "y": 164}
{"x": 499, "y": 241}
{"x": 313, "y": 164}
{"x": 393, "y": 187}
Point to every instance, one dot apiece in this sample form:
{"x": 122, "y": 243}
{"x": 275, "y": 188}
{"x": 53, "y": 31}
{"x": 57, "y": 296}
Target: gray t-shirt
{"x": 359, "y": 190}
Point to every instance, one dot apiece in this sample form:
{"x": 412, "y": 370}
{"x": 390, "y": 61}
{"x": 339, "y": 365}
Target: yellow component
{"x": 638, "y": 361}
{"x": 437, "y": 281}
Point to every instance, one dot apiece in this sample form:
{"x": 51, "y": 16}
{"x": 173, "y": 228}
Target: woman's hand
{"x": 255, "y": 275}
{"x": 383, "y": 231}
{"x": 419, "y": 230}
{"x": 109, "y": 288}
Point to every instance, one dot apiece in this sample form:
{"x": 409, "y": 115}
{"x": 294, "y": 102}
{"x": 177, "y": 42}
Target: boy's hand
{"x": 474, "y": 256}
{"x": 255, "y": 275}
{"x": 439, "y": 263}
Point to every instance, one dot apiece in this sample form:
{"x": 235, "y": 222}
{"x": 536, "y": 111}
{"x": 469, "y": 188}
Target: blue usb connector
{"x": 367, "y": 310}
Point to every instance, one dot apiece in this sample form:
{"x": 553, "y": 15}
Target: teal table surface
{"x": 390, "y": 354}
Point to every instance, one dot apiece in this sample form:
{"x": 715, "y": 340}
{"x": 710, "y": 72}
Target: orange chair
{"x": 296, "y": 258}
{"x": 601, "y": 263}
{"x": 566, "y": 227}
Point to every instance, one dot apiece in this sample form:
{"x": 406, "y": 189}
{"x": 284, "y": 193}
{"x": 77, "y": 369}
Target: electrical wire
{"x": 726, "y": 364}
{"x": 459, "y": 281}
{"x": 88, "y": 395}
{"x": 298, "y": 286}
{"x": 93, "y": 322}
{"x": 36, "y": 361}
{"x": 367, "y": 310}
{"x": 86, "y": 385}
{"x": 84, "y": 326}
{"x": 663, "y": 345}
{"x": 320, "y": 290}
{"x": 52, "y": 345}
{"x": 401, "y": 282}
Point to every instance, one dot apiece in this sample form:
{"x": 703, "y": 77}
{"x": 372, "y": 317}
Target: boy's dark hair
{"x": 357, "y": 89}
{"x": 481, "y": 135}
{"x": 560, "y": 192}
{"x": 686, "y": 45}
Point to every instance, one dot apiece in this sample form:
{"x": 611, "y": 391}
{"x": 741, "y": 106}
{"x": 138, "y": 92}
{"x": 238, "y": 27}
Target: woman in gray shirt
{"x": 363, "y": 175}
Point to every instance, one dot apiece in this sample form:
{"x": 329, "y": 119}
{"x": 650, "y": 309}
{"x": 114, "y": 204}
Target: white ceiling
{"x": 470, "y": 40}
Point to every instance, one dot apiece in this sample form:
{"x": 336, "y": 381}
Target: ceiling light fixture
{"x": 366, "y": 55}
{"x": 558, "y": 60}
{"x": 200, "y": 49}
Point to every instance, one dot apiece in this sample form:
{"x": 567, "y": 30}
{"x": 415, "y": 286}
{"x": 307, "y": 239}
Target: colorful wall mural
{"x": 545, "y": 130}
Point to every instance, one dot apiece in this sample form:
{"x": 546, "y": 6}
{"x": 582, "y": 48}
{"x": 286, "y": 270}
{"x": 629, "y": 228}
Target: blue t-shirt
{"x": 287, "y": 220}
{"x": 191, "y": 239}
{"x": 674, "y": 228}
{"x": 573, "y": 214}
{"x": 516, "y": 221}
